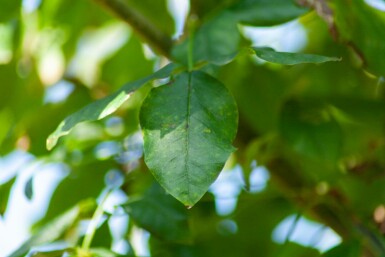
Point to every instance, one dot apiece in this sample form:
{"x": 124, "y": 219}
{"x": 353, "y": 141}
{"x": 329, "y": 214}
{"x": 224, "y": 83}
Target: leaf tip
{"x": 51, "y": 142}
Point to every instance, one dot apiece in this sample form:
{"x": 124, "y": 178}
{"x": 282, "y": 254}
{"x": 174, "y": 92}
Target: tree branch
{"x": 157, "y": 39}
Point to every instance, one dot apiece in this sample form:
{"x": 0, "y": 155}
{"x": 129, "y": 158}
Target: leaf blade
{"x": 188, "y": 129}
{"x": 285, "y": 58}
{"x": 267, "y": 12}
{"x": 103, "y": 107}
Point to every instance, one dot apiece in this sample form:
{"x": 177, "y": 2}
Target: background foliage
{"x": 310, "y": 146}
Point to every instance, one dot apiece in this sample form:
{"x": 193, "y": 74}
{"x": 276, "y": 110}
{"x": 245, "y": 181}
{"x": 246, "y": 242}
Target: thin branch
{"x": 157, "y": 39}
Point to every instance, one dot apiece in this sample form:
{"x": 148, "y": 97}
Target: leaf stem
{"x": 91, "y": 229}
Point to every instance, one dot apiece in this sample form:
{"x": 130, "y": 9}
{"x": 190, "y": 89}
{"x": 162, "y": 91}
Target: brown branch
{"x": 156, "y": 38}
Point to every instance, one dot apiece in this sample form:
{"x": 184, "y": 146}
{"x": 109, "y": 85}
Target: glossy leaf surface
{"x": 188, "y": 128}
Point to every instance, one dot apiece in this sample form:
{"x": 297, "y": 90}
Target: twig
{"x": 157, "y": 39}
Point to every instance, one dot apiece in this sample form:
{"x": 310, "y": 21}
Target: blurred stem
{"x": 94, "y": 223}
{"x": 156, "y": 38}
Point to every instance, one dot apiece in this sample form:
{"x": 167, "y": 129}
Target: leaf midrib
{"x": 187, "y": 145}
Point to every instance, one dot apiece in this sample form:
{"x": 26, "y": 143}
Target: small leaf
{"x": 105, "y": 106}
{"x": 188, "y": 129}
{"x": 267, "y": 12}
{"x": 270, "y": 55}
{"x": 160, "y": 214}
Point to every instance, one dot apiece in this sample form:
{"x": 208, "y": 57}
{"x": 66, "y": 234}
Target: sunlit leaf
{"x": 188, "y": 128}
{"x": 103, "y": 107}
{"x": 270, "y": 55}
{"x": 160, "y": 214}
{"x": 267, "y": 12}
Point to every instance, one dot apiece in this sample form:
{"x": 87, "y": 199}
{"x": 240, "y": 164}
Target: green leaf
{"x": 188, "y": 129}
{"x": 350, "y": 248}
{"x": 57, "y": 253}
{"x": 290, "y": 249}
{"x": 9, "y": 9}
{"x": 311, "y": 130}
{"x": 91, "y": 174}
{"x": 267, "y": 12}
{"x": 355, "y": 19}
{"x": 56, "y": 228}
{"x": 105, "y": 106}
{"x": 5, "y": 190}
{"x": 270, "y": 55}
{"x": 103, "y": 252}
{"x": 160, "y": 214}
{"x": 216, "y": 41}
{"x": 156, "y": 12}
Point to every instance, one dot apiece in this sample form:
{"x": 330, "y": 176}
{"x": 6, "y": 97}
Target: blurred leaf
{"x": 5, "y": 190}
{"x": 72, "y": 18}
{"x": 355, "y": 19}
{"x": 103, "y": 252}
{"x": 9, "y": 9}
{"x": 311, "y": 131}
{"x": 128, "y": 64}
{"x": 161, "y": 248}
{"x": 160, "y": 214}
{"x": 267, "y": 12}
{"x": 270, "y": 55}
{"x": 259, "y": 93}
{"x": 216, "y": 41}
{"x": 103, "y": 107}
{"x": 102, "y": 237}
{"x": 350, "y": 248}
{"x": 55, "y": 228}
{"x": 90, "y": 174}
{"x": 290, "y": 249}
{"x": 6, "y": 118}
{"x": 188, "y": 128}
{"x": 58, "y": 253}
{"x": 156, "y": 12}
{"x": 28, "y": 188}
{"x": 205, "y": 8}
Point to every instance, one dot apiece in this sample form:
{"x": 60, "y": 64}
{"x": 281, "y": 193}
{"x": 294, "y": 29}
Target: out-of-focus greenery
{"x": 315, "y": 120}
